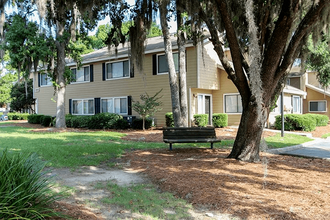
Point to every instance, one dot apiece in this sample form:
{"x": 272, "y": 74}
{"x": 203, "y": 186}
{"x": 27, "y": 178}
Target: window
{"x": 117, "y": 70}
{"x": 45, "y": 80}
{"x": 163, "y": 65}
{"x": 117, "y": 105}
{"x": 317, "y": 106}
{"x": 296, "y": 102}
{"x": 233, "y": 103}
{"x": 80, "y": 75}
{"x": 83, "y": 106}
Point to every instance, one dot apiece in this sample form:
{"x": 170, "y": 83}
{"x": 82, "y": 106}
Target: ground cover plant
{"x": 24, "y": 187}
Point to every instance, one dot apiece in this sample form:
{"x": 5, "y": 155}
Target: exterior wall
{"x": 316, "y": 96}
{"x": 312, "y": 80}
{"x": 295, "y": 82}
{"x": 226, "y": 87}
{"x": 208, "y": 77}
{"x": 139, "y": 84}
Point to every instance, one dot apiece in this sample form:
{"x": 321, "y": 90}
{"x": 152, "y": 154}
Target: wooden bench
{"x": 189, "y": 135}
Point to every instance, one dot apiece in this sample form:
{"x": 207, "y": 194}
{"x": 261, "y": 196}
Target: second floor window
{"x": 45, "y": 80}
{"x": 117, "y": 70}
{"x": 81, "y": 75}
{"x": 163, "y": 65}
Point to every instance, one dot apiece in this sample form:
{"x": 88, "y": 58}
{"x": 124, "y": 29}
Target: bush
{"x": 46, "y": 120}
{"x": 24, "y": 188}
{"x": 320, "y": 120}
{"x": 296, "y": 122}
{"x": 34, "y": 119}
{"x": 169, "y": 119}
{"x": 201, "y": 120}
{"x": 18, "y": 116}
{"x": 220, "y": 120}
{"x": 98, "y": 121}
{"x": 138, "y": 123}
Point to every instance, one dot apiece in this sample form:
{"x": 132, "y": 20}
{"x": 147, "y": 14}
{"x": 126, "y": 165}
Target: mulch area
{"x": 278, "y": 187}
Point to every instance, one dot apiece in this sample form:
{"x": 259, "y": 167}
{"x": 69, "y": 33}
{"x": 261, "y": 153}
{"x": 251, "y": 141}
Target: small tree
{"x": 149, "y": 105}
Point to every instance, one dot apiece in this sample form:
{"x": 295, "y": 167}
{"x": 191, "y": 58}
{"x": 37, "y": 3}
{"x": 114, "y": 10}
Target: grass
{"x": 326, "y": 135}
{"x": 288, "y": 140}
{"x": 145, "y": 200}
{"x": 73, "y": 149}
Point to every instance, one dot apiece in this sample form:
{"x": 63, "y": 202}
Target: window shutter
{"x": 103, "y": 71}
{"x": 129, "y": 104}
{"x": 132, "y": 71}
{"x": 154, "y": 64}
{"x": 70, "y": 106}
{"x": 91, "y": 73}
{"x": 97, "y": 103}
{"x": 39, "y": 78}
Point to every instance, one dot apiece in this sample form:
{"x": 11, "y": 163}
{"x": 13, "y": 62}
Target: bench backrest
{"x": 188, "y": 132}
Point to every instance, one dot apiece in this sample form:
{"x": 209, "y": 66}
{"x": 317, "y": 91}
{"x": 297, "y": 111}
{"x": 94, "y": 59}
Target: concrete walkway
{"x": 319, "y": 148}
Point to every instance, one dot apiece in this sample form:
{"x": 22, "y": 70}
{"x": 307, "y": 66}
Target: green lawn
{"x": 72, "y": 149}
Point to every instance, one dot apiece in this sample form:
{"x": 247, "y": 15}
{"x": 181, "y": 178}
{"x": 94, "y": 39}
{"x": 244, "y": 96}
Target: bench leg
{"x": 211, "y": 145}
{"x": 170, "y": 146}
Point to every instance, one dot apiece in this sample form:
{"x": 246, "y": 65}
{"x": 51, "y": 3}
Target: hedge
{"x": 17, "y": 116}
{"x": 201, "y": 120}
{"x": 169, "y": 119}
{"x": 296, "y": 122}
{"x": 220, "y": 120}
{"x": 98, "y": 121}
{"x": 321, "y": 120}
{"x": 34, "y": 118}
{"x": 138, "y": 123}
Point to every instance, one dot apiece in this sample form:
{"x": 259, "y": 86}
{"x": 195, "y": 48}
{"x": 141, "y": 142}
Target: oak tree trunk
{"x": 182, "y": 72}
{"x": 247, "y": 143}
{"x": 173, "y": 79}
{"x": 60, "y": 80}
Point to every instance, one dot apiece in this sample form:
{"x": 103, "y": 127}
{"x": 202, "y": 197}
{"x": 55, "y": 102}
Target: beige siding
{"x": 295, "y": 82}
{"x": 134, "y": 87}
{"x": 226, "y": 87}
{"x": 312, "y": 79}
{"x": 313, "y": 95}
{"x": 207, "y": 75}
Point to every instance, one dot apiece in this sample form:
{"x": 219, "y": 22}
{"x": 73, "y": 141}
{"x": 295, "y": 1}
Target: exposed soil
{"x": 279, "y": 187}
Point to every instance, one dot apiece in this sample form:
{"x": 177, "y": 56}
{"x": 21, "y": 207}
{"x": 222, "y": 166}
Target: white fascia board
{"x": 318, "y": 89}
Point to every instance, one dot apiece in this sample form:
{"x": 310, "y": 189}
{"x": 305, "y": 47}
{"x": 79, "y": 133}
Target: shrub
{"x": 121, "y": 124}
{"x": 98, "y": 121}
{"x": 220, "y": 120}
{"x": 169, "y": 119}
{"x": 34, "y": 119}
{"x": 24, "y": 188}
{"x": 46, "y": 120}
{"x": 138, "y": 123}
{"x": 296, "y": 122}
{"x": 18, "y": 116}
{"x": 320, "y": 120}
{"x": 201, "y": 120}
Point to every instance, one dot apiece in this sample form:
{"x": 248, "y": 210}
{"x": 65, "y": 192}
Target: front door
{"x": 204, "y": 105}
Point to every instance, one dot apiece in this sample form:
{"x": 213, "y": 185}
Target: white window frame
{"x": 48, "y": 80}
{"x": 86, "y": 99}
{"x": 157, "y": 61}
{"x": 114, "y": 106}
{"x": 83, "y": 67}
{"x": 117, "y": 61}
{"x": 309, "y": 105}
{"x": 224, "y": 104}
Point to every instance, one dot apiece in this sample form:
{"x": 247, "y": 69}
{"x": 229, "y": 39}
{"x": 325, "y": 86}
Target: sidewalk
{"x": 319, "y": 148}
